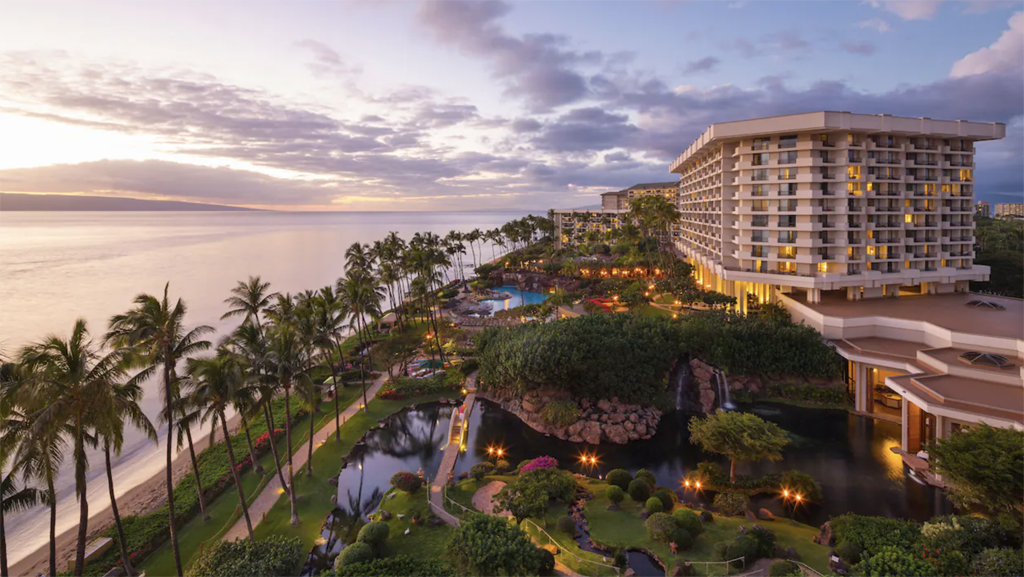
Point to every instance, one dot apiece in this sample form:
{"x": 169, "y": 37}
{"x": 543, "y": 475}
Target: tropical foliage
{"x": 486, "y": 545}
{"x": 742, "y": 437}
{"x": 271, "y": 557}
{"x": 984, "y": 466}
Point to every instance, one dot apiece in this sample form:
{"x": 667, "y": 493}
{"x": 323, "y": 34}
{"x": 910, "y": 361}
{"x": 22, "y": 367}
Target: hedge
{"x": 399, "y": 388}
{"x": 274, "y": 556}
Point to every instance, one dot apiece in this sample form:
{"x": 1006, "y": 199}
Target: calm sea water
{"x": 59, "y": 266}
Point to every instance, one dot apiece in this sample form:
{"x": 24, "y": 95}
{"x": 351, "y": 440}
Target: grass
{"x": 652, "y": 311}
{"x": 625, "y": 529}
{"x": 423, "y": 541}
{"x": 224, "y": 511}
{"x": 569, "y": 552}
{"x": 313, "y": 494}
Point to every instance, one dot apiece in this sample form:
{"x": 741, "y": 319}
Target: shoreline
{"x": 141, "y": 499}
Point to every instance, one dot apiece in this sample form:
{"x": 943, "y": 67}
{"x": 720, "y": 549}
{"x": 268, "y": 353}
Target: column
{"x": 911, "y": 427}
{"x": 814, "y": 295}
{"x": 862, "y": 397}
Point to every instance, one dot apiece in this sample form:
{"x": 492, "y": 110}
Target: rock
{"x": 707, "y": 399}
{"x": 765, "y": 515}
{"x": 592, "y": 438}
{"x": 385, "y": 515}
{"x": 530, "y": 406}
{"x": 585, "y": 403}
{"x": 616, "y": 434}
{"x": 629, "y": 573}
{"x": 616, "y": 418}
{"x": 749, "y": 515}
{"x": 604, "y": 418}
{"x": 632, "y": 435}
{"x": 629, "y": 426}
{"x": 633, "y": 418}
{"x": 824, "y": 536}
{"x": 641, "y": 429}
{"x": 604, "y": 406}
{"x": 615, "y": 400}
{"x": 594, "y": 417}
{"x": 575, "y": 439}
{"x": 576, "y": 427}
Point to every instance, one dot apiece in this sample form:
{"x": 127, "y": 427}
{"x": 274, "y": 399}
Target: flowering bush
{"x": 539, "y": 463}
{"x": 405, "y": 481}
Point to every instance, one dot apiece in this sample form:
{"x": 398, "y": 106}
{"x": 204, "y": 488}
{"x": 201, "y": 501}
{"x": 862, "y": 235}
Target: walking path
{"x": 272, "y": 492}
{"x": 451, "y": 453}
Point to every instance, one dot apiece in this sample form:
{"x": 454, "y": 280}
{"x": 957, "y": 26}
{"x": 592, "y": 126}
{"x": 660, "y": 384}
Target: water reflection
{"x": 848, "y": 455}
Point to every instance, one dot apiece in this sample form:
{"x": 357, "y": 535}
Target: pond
{"x": 847, "y": 454}
{"x": 518, "y": 298}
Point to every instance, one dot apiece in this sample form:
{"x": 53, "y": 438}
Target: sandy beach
{"x": 143, "y": 498}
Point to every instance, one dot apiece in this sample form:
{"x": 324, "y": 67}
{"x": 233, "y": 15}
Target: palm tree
{"x": 330, "y": 324}
{"x": 360, "y": 297}
{"x": 155, "y": 332}
{"x": 217, "y": 382}
{"x": 119, "y": 405}
{"x": 65, "y": 381}
{"x": 188, "y": 416}
{"x": 309, "y": 392}
{"x": 12, "y": 499}
{"x": 249, "y": 299}
{"x": 39, "y": 457}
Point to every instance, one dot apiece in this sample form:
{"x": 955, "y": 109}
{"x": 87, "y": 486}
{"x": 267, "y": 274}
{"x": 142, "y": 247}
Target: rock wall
{"x": 704, "y": 385}
{"x": 533, "y": 281}
{"x": 606, "y": 420}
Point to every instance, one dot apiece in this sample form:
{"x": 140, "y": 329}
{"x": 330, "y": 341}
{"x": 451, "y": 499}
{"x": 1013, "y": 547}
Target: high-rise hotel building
{"x": 831, "y": 201}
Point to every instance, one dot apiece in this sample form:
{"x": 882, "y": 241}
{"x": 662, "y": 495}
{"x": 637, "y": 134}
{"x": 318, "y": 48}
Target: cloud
{"x": 926, "y": 9}
{"x": 786, "y": 40}
{"x": 863, "y": 48}
{"x": 585, "y": 129}
{"x": 326, "y": 61}
{"x": 1004, "y": 55}
{"x": 875, "y": 24}
{"x": 705, "y": 64}
{"x": 537, "y": 67}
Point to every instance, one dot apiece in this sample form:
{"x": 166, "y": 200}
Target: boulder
{"x": 629, "y": 426}
{"x": 825, "y": 536}
{"x": 575, "y": 439}
{"x": 616, "y": 434}
{"x": 641, "y": 429}
{"x": 634, "y": 418}
{"x": 616, "y": 418}
{"x": 585, "y": 403}
{"x": 531, "y": 406}
{"x": 749, "y": 515}
{"x": 594, "y": 417}
{"x": 575, "y": 428}
{"x": 604, "y": 406}
{"x": 765, "y": 515}
{"x": 633, "y": 435}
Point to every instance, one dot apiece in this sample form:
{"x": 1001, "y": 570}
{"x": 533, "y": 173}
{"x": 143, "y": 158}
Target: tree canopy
{"x": 985, "y": 467}
{"x": 743, "y": 437}
{"x": 486, "y": 545}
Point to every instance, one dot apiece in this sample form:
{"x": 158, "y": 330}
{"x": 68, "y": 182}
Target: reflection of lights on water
{"x": 360, "y": 466}
{"x": 320, "y": 541}
{"x": 892, "y": 462}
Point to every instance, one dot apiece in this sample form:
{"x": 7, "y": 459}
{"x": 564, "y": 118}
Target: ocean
{"x": 56, "y": 267}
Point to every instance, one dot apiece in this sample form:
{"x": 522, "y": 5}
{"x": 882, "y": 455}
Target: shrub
{"x": 560, "y": 413}
{"x": 639, "y": 490}
{"x": 469, "y": 366}
{"x": 784, "y": 569}
{"x": 374, "y": 534}
{"x": 667, "y": 497}
{"x": 647, "y": 477}
{"x": 620, "y": 560}
{"x": 406, "y": 481}
{"x": 486, "y": 545}
{"x": 1004, "y": 561}
{"x": 849, "y": 551}
{"x": 744, "y": 546}
{"x": 804, "y": 485}
{"x": 522, "y": 464}
{"x": 271, "y": 557}
{"x": 544, "y": 462}
{"x": 874, "y": 533}
{"x": 481, "y": 470}
{"x": 501, "y": 466}
{"x": 546, "y": 562}
{"x": 892, "y": 561}
{"x": 732, "y": 503}
{"x": 720, "y": 551}
{"x": 970, "y": 535}
{"x": 620, "y": 477}
{"x": 765, "y": 540}
{"x": 615, "y": 494}
{"x": 683, "y": 539}
{"x": 653, "y": 505}
{"x": 567, "y": 524}
{"x": 688, "y": 520}
{"x": 397, "y": 566}
{"x": 355, "y": 553}
{"x": 661, "y": 527}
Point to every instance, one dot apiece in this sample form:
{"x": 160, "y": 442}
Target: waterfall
{"x": 683, "y": 377}
{"x": 723, "y": 391}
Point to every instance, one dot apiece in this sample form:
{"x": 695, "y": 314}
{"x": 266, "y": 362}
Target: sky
{"x": 464, "y": 104}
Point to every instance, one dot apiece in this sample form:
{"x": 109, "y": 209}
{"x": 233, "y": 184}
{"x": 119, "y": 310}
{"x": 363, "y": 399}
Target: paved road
{"x": 271, "y": 493}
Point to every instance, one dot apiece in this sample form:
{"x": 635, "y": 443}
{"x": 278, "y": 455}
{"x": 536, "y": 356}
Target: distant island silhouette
{"x": 57, "y": 202}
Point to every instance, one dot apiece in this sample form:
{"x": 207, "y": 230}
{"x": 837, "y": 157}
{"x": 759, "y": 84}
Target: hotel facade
{"x": 576, "y": 226}
{"x": 862, "y": 227}
{"x": 829, "y": 212}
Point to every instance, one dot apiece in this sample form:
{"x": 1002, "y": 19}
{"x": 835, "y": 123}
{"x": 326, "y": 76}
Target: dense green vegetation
{"x": 985, "y": 467}
{"x": 740, "y": 436}
{"x": 271, "y": 557}
{"x": 1000, "y": 244}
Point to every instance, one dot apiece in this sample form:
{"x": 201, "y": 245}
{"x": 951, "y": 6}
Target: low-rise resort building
{"x": 862, "y": 227}
{"x": 579, "y": 226}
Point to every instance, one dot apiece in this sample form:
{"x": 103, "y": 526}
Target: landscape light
{"x": 785, "y": 493}
{"x": 698, "y": 484}
{"x": 798, "y": 497}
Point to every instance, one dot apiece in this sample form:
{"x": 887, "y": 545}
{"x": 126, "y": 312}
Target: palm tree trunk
{"x": 309, "y": 456}
{"x": 234, "y": 472}
{"x": 268, "y": 414}
{"x": 169, "y": 479}
{"x": 256, "y": 466}
{"x": 125, "y": 559}
{"x": 213, "y": 435}
{"x": 195, "y": 473}
{"x": 83, "y": 500}
{"x": 362, "y": 371}
{"x": 288, "y": 435}
{"x": 3, "y": 539}
{"x": 337, "y": 391}
{"x": 53, "y": 524}
{"x": 732, "y": 471}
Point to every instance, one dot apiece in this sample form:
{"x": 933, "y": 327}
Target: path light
{"x": 320, "y": 542}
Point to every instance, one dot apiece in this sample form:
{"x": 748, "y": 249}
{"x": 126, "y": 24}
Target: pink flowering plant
{"x": 540, "y": 463}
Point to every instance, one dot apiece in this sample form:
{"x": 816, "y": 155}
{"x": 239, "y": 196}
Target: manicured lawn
{"x": 313, "y": 494}
{"x": 224, "y": 510}
{"x": 625, "y": 528}
{"x": 650, "y": 311}
{"x": 569, "y": 552}
{"x": 423, "y": 541}
{"x": 665, "y": 299}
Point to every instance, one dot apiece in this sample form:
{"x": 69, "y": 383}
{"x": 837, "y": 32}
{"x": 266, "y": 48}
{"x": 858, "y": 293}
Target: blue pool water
{"x": 518, "y": 298}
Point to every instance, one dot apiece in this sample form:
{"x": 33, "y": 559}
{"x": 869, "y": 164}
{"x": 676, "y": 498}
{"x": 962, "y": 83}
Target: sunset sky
{"x": 435, "y": 105}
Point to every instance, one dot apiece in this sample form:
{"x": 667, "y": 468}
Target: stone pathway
{"x": 451, "y": 453}
{"x": 483, "y": 499}
{"x": 272, "y": 491}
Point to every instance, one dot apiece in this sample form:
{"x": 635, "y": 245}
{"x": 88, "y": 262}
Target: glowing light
{"x": 798, "y": 498}
{"x": 785, "y": 493}
{"x": 698, "y": 484}
{"x": 687, "y": 482}
{"x": 360, "y": 466}
{"x": 280, "y": 491}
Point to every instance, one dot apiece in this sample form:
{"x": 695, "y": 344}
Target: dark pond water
{"x": 848, "y": 455}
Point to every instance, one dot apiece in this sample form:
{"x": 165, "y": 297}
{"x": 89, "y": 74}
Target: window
{"x": 853, "y": 188}
{"x": 788, "y": 141}
{"x": 787, "y": 173}
{"x": 823, "y": 267}
{"x": 758, "y": 251}
{"x": 853, "y": 156}
{"x": 760, "y": 174}
{"x": 759, "y": 236}
{"x": 760, "y": 190}
{"x": 787, "y": 221}
{"x": 788, "y": 189}
{"x": 929, "y": 189}
{"x": 761, "y": 143}
{"x": 760, "y": 206}
{"x": 853, "y": 172}
{"x": 788, "y": 237}
{"x": 966, "y": 175}
{"x": 853, "y": 139}
{"x": 787, "y": 157}
{"x": 760, "y": 159}
{"x": 760, "y": 220}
